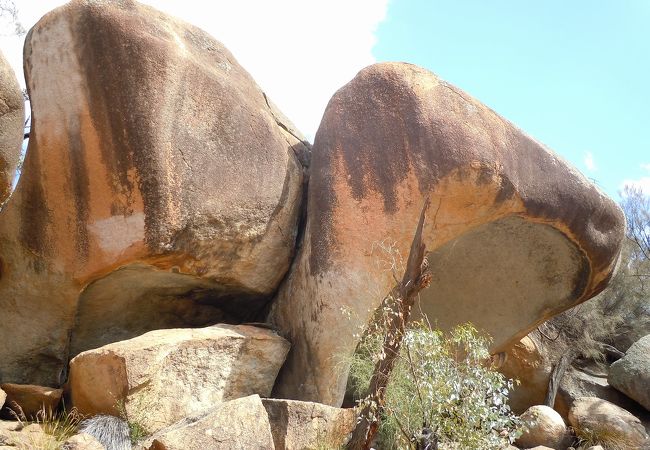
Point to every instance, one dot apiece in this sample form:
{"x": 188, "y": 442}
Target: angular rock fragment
{"x": 240, "y": 424}
{"x": 27, "y": 400}
{"x": 300, "y": 425}
{"x": 154, "y": 152}
{"x": 516, "y": 235}
{"x": 631, "y": 373}
{"x": 165, "y": 375}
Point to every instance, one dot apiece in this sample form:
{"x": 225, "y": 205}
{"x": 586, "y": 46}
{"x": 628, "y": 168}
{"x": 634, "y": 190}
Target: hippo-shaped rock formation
{"x": 160, "y": 188}
{"x": 515, "y": 234}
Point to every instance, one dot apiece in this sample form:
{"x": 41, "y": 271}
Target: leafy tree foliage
{"x": 442, "y": 390}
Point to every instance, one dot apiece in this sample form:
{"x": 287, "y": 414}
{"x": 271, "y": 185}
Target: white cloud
{"x": 589, "y": 162}
{"x": 643, "y": 183}
{"x": 300, "y": 52}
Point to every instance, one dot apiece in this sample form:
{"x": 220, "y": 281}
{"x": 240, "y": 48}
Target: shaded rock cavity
{"x": 525, "y": 268}
{"x": 139, "y": 298}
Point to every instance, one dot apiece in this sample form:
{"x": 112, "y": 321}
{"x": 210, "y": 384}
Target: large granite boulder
{"x": 12, "y": 121}
{"x": 516, "y": 235}
{"x": 601, "y": 421}
{"x": 159, "y": 183}
{"x": 240, "y": 424}
{"x": 631, "y": 373}
{"x": 165, "y": 375}
{"x": 587, "y": 382}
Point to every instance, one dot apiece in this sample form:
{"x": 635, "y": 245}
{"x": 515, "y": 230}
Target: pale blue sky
{"x": 573, "y": 74}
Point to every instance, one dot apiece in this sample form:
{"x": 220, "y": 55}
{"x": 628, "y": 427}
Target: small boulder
{"x": 631, "y": 373}
{"x": 26, "y": 400}
{"x": 545, "y": 427}
{"x": 298, "y": 425}
{"x": 241, "y": 424}
{"x": 165, "y": 375}
{"x": 82, "y": 441}
{"x": 600, "y": 421}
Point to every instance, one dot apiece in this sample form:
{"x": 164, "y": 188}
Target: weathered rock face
{"x": 516, "y": 234}
{"x": 12, "y": 121}
{"x": 300, "y": 425}
{"x": 165, "y": 375}
{"x": 531, "y": 367}
{"x": 577, "y": 383}
{"x": 27, "y": 400}
{"x": 631, "y": 374}
{"x": 241, "y": 424}
{"x": 602, "y": 418}
{"x": 152, "y": 150}
{"x": 545, "y": 427}
{"x": 32, "y": 436}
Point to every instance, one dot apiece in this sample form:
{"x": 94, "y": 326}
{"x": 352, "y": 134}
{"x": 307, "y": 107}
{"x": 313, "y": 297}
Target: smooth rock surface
{"x": 512, "y": 229}
{"x": 545, "y": 427}
{"x": 165, "y": 375}
{"x": 27, "y": 400}
{"x": 297, "y": 425}
{"x": 151, "y": 146}
{"x": 631, "y": 373}
{"x": 12, "y": 121}
{"x": 241, "y": 424}
{"x": 592, "y": 415}
{"x": 3, "y": 397}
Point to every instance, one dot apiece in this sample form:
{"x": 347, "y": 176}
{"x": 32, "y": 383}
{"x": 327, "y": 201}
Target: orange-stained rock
{"x": 153, "y": 152}
{"x": 516, "y": 234}
{"x": 12, "y": 121}
{"x": 532, "y": 367}
{"x": 28, "y": 400}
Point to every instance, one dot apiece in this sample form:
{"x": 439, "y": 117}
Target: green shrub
{"x": 442, "y": 389}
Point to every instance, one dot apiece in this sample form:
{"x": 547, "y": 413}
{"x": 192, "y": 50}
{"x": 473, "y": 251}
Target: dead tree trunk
{"x": 400, "y": 301}
{"x": 556, "y": 377}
